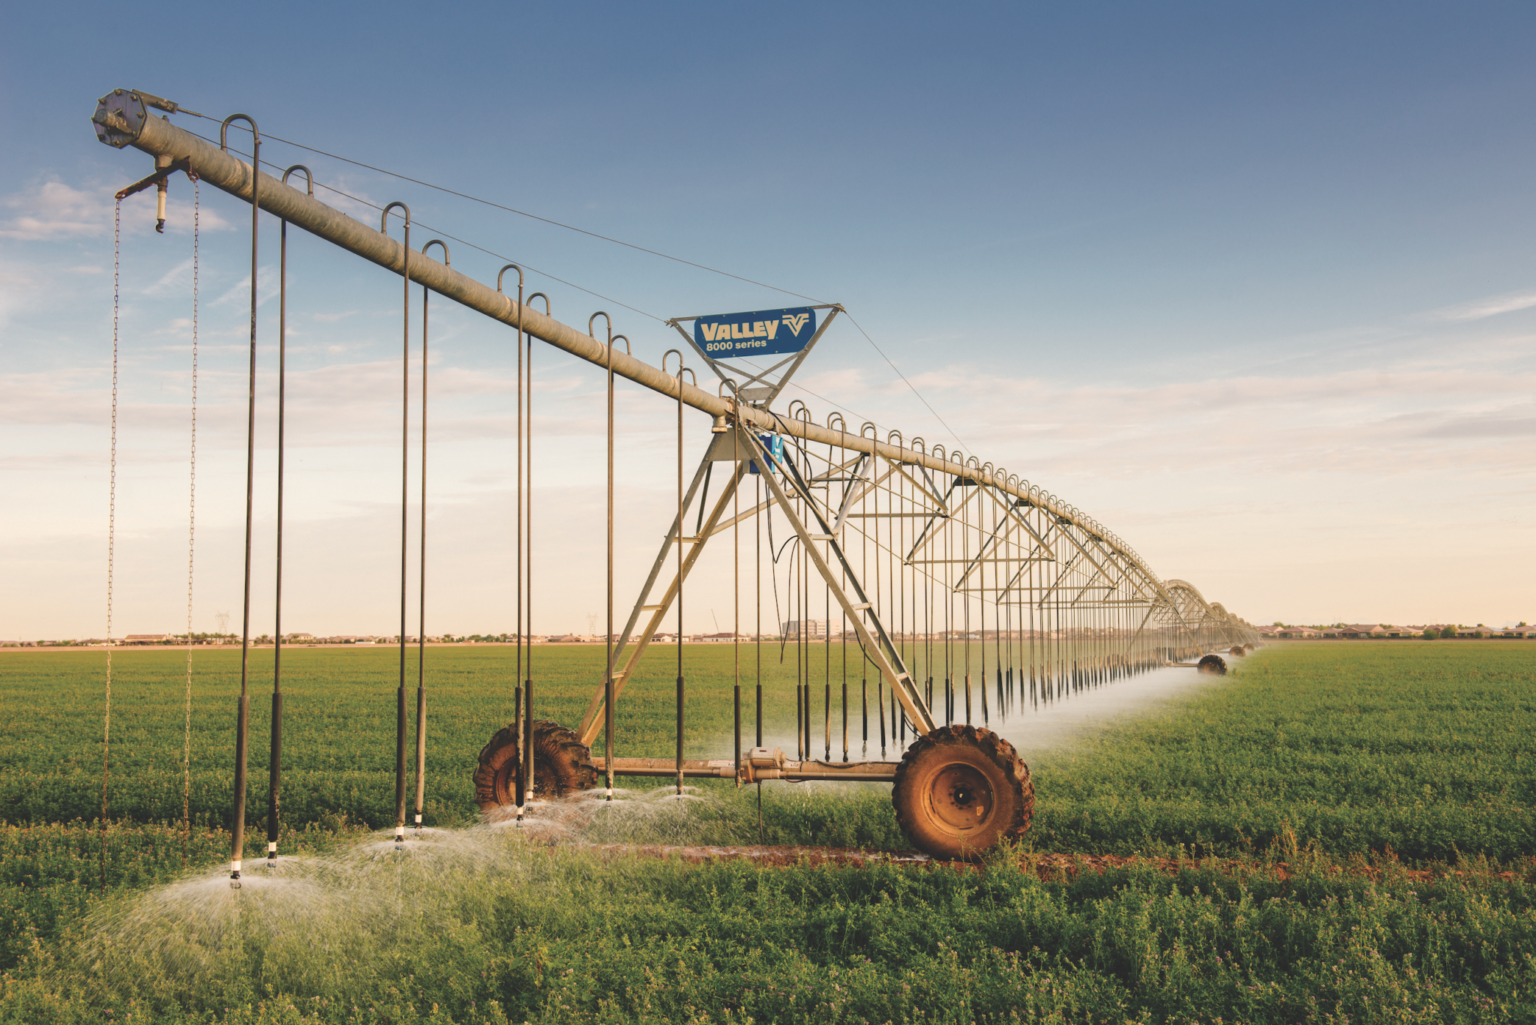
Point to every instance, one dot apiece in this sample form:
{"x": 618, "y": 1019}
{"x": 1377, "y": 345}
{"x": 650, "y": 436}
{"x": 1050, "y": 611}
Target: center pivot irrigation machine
{"x": 924, "y": 557}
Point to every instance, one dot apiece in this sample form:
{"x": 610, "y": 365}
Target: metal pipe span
{"x": 228, "y": 173}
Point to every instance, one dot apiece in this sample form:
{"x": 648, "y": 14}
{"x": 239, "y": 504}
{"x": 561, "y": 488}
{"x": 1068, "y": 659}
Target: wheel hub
{"x": 961, "y": 797}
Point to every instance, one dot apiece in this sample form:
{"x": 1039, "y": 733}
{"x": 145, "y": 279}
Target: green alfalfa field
{"x": 1362, "y": 812}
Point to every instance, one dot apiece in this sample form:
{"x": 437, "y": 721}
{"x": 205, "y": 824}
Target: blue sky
{"x": 1255, "y": 287}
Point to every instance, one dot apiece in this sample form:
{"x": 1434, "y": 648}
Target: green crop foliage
{"x": 498, "y": 930}
{"x": 1331, "y": 770}
{"x": 338, "y": 725}
{"x": 1412, "y": 747}
{"x": 1419, "y": 748}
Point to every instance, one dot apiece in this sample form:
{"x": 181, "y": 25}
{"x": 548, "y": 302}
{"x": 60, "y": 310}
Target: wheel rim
{"x": 961, "y": 798}
{"x": 506, "y": 783}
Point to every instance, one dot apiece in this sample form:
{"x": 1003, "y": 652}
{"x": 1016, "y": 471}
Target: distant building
{"x": 149, "y": 639}
{"x": 812, "y": 628}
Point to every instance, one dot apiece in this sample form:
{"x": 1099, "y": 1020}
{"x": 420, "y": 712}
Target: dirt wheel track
{"x": 1050, "y": 867}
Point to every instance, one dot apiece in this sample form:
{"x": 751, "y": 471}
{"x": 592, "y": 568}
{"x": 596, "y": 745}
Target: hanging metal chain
{"x": 186, "y": 741}
{"x": 106, "y": 728}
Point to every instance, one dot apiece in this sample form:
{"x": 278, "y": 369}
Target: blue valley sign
{"x": 763, "y": 333}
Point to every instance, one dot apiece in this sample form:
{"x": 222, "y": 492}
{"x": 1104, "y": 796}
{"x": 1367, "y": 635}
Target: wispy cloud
{"x": 1499, "y": 423}
{"x": 54, "y": 210}
{"x": 1374, "y": 422}
{"x": 177, "y": 279}
{"x": 1488, "y": 306}
{"x": 266, "y": 287}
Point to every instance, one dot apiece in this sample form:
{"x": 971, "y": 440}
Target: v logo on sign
{"x": 796, "y": 322}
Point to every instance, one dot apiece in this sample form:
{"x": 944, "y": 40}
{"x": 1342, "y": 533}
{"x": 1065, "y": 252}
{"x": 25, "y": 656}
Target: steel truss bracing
{"x": 964, "y": 589}
{"x": 938, "y": 568}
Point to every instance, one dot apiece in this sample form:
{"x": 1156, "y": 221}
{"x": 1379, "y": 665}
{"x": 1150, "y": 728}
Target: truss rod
{"x": 122, "y": 120}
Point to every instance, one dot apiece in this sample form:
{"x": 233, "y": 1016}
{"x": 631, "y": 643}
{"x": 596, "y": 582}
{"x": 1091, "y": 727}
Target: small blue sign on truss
{"x": 760, "y": 333}
{"x": 773, "y": 448}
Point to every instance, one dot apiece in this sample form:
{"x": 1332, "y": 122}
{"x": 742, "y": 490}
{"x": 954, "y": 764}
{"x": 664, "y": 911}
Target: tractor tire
{"x": 960, "y": 790}
{"x": 561, "y": 764}
{"x": 1214, "y": 665}
{"x": 1237, "y": 649}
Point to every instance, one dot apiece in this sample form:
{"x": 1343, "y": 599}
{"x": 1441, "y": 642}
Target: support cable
{"x": 532, "y": 216}
{"x": 599, "y": 295}
{"x": 462, "y": 241}
{"x": 628, "y": 245}
{"x": 908, "y": 383}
